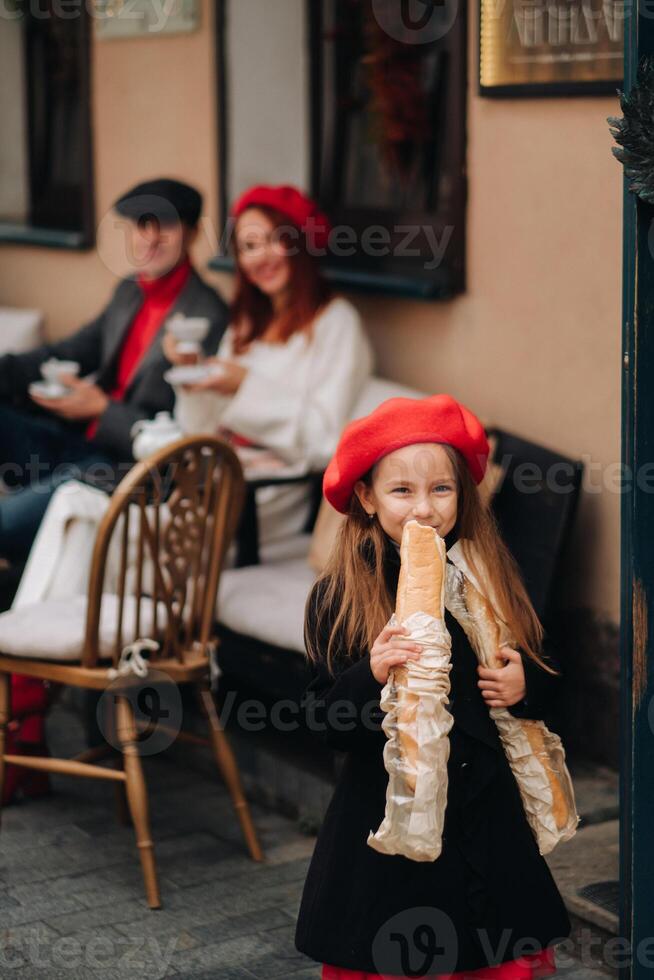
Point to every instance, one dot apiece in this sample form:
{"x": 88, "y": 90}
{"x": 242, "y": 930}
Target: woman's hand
{"x": 504, "y": 686}
{"x": 227, "y": 381}
{"x": 390, "y": 650}
{"x": 169, "y": 345}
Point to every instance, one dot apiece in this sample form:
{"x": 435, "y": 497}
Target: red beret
{"x": 301, "y": 210}
{"x": 402, "y": 422}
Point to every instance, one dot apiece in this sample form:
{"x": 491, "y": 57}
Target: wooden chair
{"x": 166, "y": 533}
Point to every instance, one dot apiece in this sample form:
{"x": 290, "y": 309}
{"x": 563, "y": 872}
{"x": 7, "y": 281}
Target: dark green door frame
{"x": 637, "y": 559}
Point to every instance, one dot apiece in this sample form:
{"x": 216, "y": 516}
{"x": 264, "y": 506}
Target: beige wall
{"x": 142, "y": 127}
{"x": 533, "y": 345}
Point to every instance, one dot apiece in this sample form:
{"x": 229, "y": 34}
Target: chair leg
{"x": 5, "y": 710}
{"x": 121, "y": 806}
{"x": 228, "y": 767}
{"x": 137, "y": 798}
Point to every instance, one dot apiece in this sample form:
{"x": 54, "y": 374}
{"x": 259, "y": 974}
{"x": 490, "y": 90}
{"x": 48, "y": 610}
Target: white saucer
{"x": 48, "y": 389}
{"x": 190, "y": 374}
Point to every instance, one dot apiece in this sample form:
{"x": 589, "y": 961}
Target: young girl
{"x": 489, "y": 902}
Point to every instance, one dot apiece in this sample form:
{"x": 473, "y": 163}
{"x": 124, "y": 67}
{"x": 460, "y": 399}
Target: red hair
{"x": 252, "y": 310}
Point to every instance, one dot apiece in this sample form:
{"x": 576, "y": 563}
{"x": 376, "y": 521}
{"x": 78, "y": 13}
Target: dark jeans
{"x": 37, "y": 454}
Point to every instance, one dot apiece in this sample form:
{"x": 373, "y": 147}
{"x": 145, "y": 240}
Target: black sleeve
{"x": 542, "y": 687}
{"x": 17, "y": 371}
{"x": 342, "y": 706}
{"x": 151, "y": 394}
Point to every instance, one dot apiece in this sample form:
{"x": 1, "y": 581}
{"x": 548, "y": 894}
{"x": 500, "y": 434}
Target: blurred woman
{"x": 291, "y": 363}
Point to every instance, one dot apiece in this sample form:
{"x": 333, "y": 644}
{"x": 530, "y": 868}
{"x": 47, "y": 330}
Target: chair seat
{"x": 267, "y": 602}
{"x": 54, "y": 630}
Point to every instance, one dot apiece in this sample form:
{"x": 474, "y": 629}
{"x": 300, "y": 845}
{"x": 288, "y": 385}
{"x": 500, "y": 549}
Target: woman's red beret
{"x": 300, "y": 209}
{"x": 402, "y": 422}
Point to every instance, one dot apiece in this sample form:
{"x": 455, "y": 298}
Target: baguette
{"x": 420, "y": 589}
{"x": 488, "y": 642}
{"x": 534, "y": 732}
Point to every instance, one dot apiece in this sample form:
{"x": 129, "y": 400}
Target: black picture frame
{"x": 448, "y": 192}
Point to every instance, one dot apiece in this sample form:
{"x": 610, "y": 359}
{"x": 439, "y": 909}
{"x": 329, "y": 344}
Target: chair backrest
{"x": 166, "y": 531}
{"x": 534, "y": 505}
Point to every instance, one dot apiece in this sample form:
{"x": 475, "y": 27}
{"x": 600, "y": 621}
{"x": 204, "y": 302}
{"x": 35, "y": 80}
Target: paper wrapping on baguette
{"x": 535, "y": 754}
{"x": 416, "y": 721}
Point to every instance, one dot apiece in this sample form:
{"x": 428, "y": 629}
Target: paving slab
{"x": 590, "y": 857}
{"x": 596, "y": 792}
{"x": 71, "y": 893}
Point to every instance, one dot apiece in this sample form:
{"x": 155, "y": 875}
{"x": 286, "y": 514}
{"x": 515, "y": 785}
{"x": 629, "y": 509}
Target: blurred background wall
{"x": 533, "y": 345}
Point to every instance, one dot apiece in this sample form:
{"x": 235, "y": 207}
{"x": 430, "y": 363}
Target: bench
{"x": 261, "y": 606}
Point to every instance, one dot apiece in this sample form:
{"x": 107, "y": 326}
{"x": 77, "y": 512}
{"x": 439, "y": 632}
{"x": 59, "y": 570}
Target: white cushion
{"x": 267, "y": 602}
{"x": 295, "y": 546}
{"x": 378, "y": 390}
{"x": 54, "y": 629}
{"x": 20, "y": 330}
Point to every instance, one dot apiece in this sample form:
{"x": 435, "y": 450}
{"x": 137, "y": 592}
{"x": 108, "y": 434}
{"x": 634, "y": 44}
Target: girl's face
{"x": 413, "y": 483}
{"x": 261, "y": 255}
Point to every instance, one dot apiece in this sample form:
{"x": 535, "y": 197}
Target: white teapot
{"x": 152, "y": 434}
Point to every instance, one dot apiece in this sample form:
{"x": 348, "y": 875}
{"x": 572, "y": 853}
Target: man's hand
{"x": 504, "y": 686}
{"x": 86, "y": 401}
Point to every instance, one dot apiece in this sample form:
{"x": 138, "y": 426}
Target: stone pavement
{"x": 71, "y": 897}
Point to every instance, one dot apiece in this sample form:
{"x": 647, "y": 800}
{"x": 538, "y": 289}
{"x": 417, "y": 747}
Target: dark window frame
{"x": 362, "y": 276}
{"x": 43, "y": 227}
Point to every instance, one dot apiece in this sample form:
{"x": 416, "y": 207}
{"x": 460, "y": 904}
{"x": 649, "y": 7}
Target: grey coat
{"x": 97, "y": 346}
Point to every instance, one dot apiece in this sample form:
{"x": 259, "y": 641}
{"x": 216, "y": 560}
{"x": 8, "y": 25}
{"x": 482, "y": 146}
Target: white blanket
{"x": 60, "y": 560}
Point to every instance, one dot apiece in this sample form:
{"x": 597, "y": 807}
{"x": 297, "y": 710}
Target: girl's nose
{"x": 423, "y": 507}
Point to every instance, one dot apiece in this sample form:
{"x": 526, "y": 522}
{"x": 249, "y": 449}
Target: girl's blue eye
{"x": 400, "y": 490}
{"x": 443, "y": 486}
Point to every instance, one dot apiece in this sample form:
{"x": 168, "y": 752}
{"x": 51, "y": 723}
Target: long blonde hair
{"x": 354, "y": 594}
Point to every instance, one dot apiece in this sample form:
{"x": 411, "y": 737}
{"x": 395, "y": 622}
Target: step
{"x": 596, "y": 791}
{"x": 586, "y": 871}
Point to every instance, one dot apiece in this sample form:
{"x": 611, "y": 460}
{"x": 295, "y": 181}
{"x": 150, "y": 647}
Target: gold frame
{"x": 550, "y": 46}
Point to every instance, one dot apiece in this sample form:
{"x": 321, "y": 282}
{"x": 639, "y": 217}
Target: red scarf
{"x": 159, "y": 296}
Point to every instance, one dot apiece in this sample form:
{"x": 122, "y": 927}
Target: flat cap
{"x": 168, "y": 201}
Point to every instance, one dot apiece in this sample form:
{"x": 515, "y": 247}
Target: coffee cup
{"x": 54, "y": 370}
{"x": 188, "y": 329}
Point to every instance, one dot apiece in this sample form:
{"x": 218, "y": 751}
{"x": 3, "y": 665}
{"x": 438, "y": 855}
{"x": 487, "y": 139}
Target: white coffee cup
{"x": 54, "y": 370}
{"x": 188, "y": 329}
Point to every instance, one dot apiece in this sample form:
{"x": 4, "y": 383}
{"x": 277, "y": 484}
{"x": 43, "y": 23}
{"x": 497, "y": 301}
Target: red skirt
{"x": 527, "y": 967}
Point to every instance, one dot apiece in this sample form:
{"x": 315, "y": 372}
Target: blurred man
{"x": 86, "y": 433}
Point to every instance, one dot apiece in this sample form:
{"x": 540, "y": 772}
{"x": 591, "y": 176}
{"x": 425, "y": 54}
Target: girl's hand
{"x": 504, "y": 686}
{"x": 225, "y": 382}
{"x": 389, "y": 650}
{"x": 172, "y": 354}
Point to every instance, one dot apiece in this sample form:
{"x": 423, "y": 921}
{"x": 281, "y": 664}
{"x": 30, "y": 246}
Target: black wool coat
{"x": 489, "y": 894}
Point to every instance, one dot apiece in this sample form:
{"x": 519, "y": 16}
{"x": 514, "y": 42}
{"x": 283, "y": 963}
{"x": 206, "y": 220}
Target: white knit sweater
{"x": 296, "y": 396}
